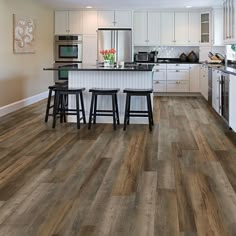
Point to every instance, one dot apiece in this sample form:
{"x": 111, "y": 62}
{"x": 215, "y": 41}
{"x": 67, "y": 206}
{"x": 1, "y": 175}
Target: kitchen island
{"x": 91, "y": 76}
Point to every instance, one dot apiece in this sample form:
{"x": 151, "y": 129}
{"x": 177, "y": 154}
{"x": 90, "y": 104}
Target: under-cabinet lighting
{"x": 88, "y": 7}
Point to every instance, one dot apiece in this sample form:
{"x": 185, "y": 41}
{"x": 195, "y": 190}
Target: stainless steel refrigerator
{"x": 120, "y": 39}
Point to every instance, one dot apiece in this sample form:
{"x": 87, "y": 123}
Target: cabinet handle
{"x": 157, "y": 82}
{"x": 177, "y": 71}
{"x": 157, "y": 70}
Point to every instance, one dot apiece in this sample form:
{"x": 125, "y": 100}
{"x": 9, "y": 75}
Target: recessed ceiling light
{"x": 188, "y": 6}
{"x": 88, "y": 7}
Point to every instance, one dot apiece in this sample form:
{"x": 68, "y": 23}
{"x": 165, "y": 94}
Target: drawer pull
{"x": 157, "y": 82}
{"x": 177, "y": 70}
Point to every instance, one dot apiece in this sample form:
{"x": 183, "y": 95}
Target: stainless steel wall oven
{"x": 68, "y": 48}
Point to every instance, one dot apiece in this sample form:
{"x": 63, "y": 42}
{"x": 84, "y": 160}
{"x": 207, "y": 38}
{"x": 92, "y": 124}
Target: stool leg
{"x": 149, "y": 112}
{"x": 55, "y": 108}
{"x": 91, "y": 111}
{"x": 114, "y": 111}
{"x": 126, "y": 111}
{"x": 77, "y": 111}
{"x": 149, "y": 97}
{"x": 95, "y": 109}
{"x": 117, "y": 111}
{"x": 65, "y": 98}
{"x": 61, "y": 107}
{"x": 48, "y": 105}
{"x": 82, "y": 107}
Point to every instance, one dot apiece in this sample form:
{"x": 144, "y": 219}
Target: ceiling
{"x": 130, "y": 4}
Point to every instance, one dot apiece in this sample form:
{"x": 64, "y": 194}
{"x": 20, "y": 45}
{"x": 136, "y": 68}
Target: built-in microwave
{"x": 68, "y": 48}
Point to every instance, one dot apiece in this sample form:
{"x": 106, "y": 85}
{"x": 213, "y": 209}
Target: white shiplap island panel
{"x": 111, "y": 79}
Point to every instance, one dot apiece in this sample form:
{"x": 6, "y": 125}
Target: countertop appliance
{"x": 142, "y": 57}
{"x": 119, "y": 39}
{"x": 68, "y": 48}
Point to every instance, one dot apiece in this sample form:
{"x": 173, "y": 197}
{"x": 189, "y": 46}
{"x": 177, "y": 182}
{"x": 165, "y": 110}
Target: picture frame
{"x": 24, "y": 34}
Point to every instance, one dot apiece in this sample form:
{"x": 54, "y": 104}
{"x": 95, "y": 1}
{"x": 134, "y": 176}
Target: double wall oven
{"x": 67, "y": 54}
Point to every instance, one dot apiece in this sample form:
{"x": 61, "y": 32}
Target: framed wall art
{"x": 24, "y": 34}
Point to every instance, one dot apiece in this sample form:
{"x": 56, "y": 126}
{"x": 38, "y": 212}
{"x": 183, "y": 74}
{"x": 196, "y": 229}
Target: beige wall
{"x": 22, "y": 75}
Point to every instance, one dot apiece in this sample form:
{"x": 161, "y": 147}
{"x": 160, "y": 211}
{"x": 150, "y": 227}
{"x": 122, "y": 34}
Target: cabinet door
{"x": 181, "y": 28}
{"x": 167, "y": 28}
{"x": 75, "y": 22}
{"x": 218, "y": 27}
{"x": 194, "y": 29}
{"x": 90, "y": 23}
{"x": 61, "y": 22}
{"x": 154, "y": 22}
{"x": 89, "y": 49}
{"x": 232, "y": 102}
{"x": 216, "y": 90}
{"x": 204, "y": 81}
{"x": 178, "y": 75}
{"x": 159, "y": 75}
{"x": 159, "y": 86}
{"x": 123, "y": 19}
{"x": 205, "y": 28}
{"x": 194, "y": 78}
{"x": 140, "y": 28}
{"x": 105, "y": 19}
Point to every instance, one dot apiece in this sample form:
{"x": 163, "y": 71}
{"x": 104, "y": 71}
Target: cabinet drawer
{"x": 159, "y": 86}
{"x": 177, "y": 66}
{"x": 159, "y": 67}
{"x": 177, "y": 86}
{"x": 159, "y": 75}
{"x": 178, "y": 75}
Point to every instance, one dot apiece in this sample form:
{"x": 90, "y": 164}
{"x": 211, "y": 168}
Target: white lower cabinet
{"x": 159, "y": 78}
{"x": 204, "y": 81}
{"x": 216, "y": 74}
{"x": 177, "y": 86}
{"x": 194, "y": 80}
{"x": 177, "y": 78}
{"x": 232, "y": 102}
{"x": 159, "y": 86}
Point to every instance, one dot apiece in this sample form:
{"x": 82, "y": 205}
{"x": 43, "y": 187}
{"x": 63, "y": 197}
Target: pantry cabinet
{"x": 68, "y": 22}
{"x": 146, "y": 28}
{"x": 114, "y": 19}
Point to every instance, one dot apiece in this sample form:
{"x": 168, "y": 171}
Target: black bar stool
{"x": 94, "y": 112}
{"x": 49, "y": 101}
{"x": 61, "y": 93}
{"x": 137, "y": 113}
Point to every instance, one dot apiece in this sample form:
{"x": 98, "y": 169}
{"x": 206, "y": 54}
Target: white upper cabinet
{"x": 117, "y": 19}
{"x": 167, "y": 28}
{"x": 90, "y": 23}
{"x": 217, "y": 23}
{"x": 146, "y": 29}
{"x": 205, "y": 33}
{"x": 229, "y": 19}
{"x": 194, "y": 28}
{"x": 181, "y": 28}
{"x": 68, "y": 22}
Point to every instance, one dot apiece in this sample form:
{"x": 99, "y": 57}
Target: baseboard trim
{"x": 22, "y": 103}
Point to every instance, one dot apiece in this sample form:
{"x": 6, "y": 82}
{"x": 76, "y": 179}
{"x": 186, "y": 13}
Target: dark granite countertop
{"x": 230, "y": 68}
{"x": 86, "y": 67}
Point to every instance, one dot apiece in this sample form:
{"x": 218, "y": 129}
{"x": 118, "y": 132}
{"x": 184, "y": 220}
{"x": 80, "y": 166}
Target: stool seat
{"x": 61, "y": 93}
{"x": 61, "y": 82}
{"x": 94, "y": 112}
{"x": 128, "y": 90}
{"x": 138, "y": 113}
{"x": 104, "y": 90}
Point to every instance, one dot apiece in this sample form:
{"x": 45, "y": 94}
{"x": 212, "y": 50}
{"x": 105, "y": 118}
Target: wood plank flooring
{"x": 179, "y": 179}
